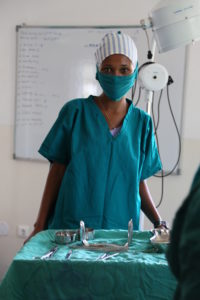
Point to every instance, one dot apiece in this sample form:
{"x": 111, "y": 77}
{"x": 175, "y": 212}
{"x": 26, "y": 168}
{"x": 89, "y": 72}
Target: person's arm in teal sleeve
{"x": 52, "y": 186}
{"x": 147, "y": 204}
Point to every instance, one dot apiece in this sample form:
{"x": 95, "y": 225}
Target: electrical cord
{"x": 177, "y": 130}
{"x": 163, "y": 175}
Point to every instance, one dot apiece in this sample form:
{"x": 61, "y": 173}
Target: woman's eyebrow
{"x": 107, "y": 65}
{"x": 125, "y": 66}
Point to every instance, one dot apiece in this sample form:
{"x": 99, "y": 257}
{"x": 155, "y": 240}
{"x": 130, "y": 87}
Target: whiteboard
{"x": 56, "y": 64}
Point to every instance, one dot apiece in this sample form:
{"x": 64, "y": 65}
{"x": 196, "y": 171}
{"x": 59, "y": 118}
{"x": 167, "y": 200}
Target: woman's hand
{"x": 34, "y": 232}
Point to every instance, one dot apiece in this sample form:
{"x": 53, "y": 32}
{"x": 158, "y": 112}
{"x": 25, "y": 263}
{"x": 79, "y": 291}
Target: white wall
{"x": 22, "y": 182}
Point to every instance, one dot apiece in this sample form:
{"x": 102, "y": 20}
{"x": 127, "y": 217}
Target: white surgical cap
{"x": 116, "y": 43}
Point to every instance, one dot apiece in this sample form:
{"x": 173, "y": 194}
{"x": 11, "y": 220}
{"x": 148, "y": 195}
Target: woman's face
{"x": 117, "y": 64}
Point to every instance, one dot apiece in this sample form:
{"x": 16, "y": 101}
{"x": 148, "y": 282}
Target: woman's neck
{"x": 113, "y": 111}
{"x": 114, "y": 106}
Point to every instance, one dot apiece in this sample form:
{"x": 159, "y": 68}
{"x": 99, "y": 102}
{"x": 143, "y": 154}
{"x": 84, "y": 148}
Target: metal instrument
{"x": 68, "y": 255}
{"x": 49, "y": 254}
{"x": 106, "y": 256}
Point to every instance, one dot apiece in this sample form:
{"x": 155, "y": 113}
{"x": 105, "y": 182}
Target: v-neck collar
{"x": 104, "y": 122}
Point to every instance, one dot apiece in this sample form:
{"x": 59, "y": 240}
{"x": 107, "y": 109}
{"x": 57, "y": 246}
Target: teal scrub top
{"x": 101, "y": 182}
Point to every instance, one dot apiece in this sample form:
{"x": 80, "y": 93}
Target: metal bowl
{"x": 89, "y": 234}
{"x": 160, "y": 236}
{"x": 161, "y": 239}
{"x": 65, "y": 236}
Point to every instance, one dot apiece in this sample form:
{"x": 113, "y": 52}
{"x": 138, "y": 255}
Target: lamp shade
{"x": 175, "y": 23}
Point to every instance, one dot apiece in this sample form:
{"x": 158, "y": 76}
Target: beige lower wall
{"x": 21, "y": 188}
{"x": 22, "y": 182}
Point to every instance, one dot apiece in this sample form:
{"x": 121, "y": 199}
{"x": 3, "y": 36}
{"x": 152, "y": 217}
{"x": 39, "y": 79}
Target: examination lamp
{"x": 174, "y": 23}
{"x": 153, "y": 76}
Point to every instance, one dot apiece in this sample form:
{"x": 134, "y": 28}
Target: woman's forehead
{"x": 119, "y": 59}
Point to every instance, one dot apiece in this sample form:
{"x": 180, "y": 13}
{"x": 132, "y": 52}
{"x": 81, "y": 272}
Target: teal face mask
{"x": 115, "y": 87}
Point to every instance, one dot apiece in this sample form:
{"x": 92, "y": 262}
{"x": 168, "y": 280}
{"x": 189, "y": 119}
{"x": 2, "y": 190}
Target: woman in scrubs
{"x": 102, "y": 150}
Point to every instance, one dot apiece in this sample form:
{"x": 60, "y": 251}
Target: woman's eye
{"x": 106, "y": 70}
{"x": 125, "y": 70}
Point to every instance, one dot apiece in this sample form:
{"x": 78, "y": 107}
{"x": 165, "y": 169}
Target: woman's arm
{"x": 147, "y": 204}
{"x": 49, "y": 197}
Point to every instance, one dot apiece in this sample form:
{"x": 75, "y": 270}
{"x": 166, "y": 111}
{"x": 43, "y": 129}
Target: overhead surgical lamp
{"x": 174, "y": 23}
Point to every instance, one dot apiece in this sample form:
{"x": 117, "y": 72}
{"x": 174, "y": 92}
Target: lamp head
{"x": 175, "y": 23}
{"x": 152, "y": 76}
